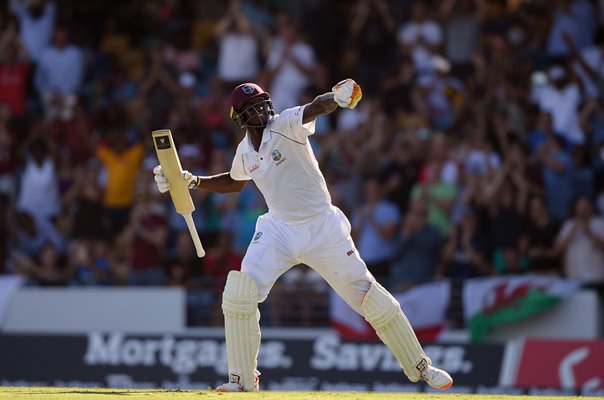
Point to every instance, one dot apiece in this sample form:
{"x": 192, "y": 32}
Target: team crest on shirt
{"x": 257, "y": 236}
{"x": 276, "y": 155}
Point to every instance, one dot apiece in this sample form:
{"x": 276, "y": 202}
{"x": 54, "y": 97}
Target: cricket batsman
{"x": 301, "y": 226}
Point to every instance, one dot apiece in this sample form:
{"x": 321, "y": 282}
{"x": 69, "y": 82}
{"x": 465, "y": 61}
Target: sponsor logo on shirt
{"x": 350, "y": 252}
{"x": 276, "y": 155}
{"x": 254, "y": 167}
{"x": 257, "y": 236}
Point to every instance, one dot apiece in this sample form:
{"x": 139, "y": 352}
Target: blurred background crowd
{"x": 478, "y": 148}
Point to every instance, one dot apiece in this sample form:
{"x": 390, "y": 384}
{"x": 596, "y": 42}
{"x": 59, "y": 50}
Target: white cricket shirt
{"x": 285, "y": 168}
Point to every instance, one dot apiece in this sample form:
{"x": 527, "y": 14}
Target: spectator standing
{"x": 400, "y": 174}
{"x": 59, "y": 77}
{"x": 421, "y": 38}
{"x": 581, "y": 242}
{"x": 464, "y": 254}
{"x": 290, "y": 65}
{"x": 419, "y": 252}
{"x": 238, "y": 48}
{"x": 14, "y": 72}
{"x": 561, "y": 98}
{"x": 122, "y": 163}
{"x": 147, "y": 234}
{"x": 539, "y": 239}
{"x": 36, "y": 22}
{"x": 558, "y": 177}
{"x": 462, "y": 20}
{"x": 372, "y": 29}
{"x": 374, "y": 227}
{"x": 39, "y": 185}
{"x": 573, "y": 21}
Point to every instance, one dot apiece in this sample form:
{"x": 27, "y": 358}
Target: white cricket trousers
{"x": 324, "y": 244}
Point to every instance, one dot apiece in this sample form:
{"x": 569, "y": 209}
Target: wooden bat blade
{"x": 170, "y": 165}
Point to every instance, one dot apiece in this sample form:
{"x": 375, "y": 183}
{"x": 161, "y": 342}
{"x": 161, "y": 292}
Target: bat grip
{"x": 193, "y": 231}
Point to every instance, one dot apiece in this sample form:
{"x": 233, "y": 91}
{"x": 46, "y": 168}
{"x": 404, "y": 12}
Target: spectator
{"x": 581, "y": 243}
{"x": 557, "y": 175}
{"x": 421, "y": 38}
{"x": 372, "y": 29}
{"x": 122, "y": 162}
{"x": 568, "y": 21}
{"x": 14, "y": 72}
{"x": 59, "y": 77}
{"x": 290, "y": 66}
{"x": 399, "y": 174}
{"x": 444, "y": 95}
{"x": 464, "y": 255}
{"x": 539, "y": 239}
{"x": 437, "y": 185}
{"x": 147, "y": 233}
{"x": 374, "y": 227}
{"x": 238, "y": 49}
{"x": 45, "y": 269}
{"x": 561, "y": 97}
{"x": 462, "y": 20}
{"x": 8, "y": 161}
{"x": 160, "y": 87}
{"x": 37, "y": 24}
{"x": 544, "y": 130}
{"x": 419, "y": 252}
{"x": 39, "y": 186}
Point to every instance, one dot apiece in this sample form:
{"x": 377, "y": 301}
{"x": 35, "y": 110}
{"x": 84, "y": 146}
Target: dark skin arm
{"x": 321, "y": 105}
{"x": 221, "y": 183}
{"x": 224, "y": 183}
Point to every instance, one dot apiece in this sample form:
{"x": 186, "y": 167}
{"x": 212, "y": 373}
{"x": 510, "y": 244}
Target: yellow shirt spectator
{"x": 122, "y": 170}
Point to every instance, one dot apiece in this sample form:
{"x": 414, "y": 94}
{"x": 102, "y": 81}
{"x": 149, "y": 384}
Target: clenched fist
{"x": 347, "y": 93}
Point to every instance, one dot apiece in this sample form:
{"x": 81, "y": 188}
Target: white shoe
{"x": 230, "y": 387}
{"x": 437, "y": 378}
{"x": 233, "y": 386}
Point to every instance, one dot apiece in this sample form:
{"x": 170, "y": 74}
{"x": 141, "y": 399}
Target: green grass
{"x": 44, "y": 393}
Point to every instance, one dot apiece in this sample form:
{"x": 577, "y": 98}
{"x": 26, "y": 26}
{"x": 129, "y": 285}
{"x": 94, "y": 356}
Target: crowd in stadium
{"x": 478, "y": 147}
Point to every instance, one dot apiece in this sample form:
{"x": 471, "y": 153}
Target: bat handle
{"x": 193, "y": 231}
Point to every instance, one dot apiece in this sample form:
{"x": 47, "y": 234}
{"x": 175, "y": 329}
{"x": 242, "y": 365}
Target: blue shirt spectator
{"x": 37, "y": 23}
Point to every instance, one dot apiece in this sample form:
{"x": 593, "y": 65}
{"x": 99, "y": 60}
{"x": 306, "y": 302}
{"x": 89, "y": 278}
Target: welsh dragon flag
{"x": 489, "y": 302}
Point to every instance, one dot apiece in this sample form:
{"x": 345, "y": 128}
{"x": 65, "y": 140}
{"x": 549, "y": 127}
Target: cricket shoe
{"x": 436, "y": 378}
{"x": 230, "y": 387}
{"x": 233, "y": 386}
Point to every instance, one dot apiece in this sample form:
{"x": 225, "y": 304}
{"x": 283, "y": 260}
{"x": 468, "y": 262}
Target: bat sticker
{"x": 162, "y": 142}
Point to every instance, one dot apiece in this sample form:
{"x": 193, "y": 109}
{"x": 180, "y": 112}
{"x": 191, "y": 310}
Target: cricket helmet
{"x": 249, "y": 101}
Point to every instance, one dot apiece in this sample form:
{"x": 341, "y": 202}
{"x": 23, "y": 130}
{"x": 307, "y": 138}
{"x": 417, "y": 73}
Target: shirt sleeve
{"x": 291, "y": 126}
{"x": 238, "y": 167}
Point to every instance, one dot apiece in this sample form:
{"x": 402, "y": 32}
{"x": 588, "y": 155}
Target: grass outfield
{"x": 28, "y": 393}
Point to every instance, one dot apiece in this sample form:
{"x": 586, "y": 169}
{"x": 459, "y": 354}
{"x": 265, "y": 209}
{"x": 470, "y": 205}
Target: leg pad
{"x": 384, "y": 313}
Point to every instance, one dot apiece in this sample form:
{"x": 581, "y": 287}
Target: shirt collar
{"x": 266, "y": 136}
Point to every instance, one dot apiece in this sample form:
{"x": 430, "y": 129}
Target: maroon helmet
{"x": 245, "y": 107}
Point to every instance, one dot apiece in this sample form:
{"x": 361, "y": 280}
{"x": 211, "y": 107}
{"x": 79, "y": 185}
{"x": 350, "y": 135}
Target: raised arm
{"x": 321, "y": 105}
{"x": 346, "y": 94}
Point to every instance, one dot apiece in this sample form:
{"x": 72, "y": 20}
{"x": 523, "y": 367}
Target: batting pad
{"x": 241, "y": 328}
{"x": 384, "y": 313}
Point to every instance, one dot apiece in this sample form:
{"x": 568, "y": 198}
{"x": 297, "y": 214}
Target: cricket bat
{"x": 179, "y": 189}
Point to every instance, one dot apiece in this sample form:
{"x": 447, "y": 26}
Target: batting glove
{"x": 192, "y": 180}
{"x": 347, "y": 93}
{"x": 162, "y": 182}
